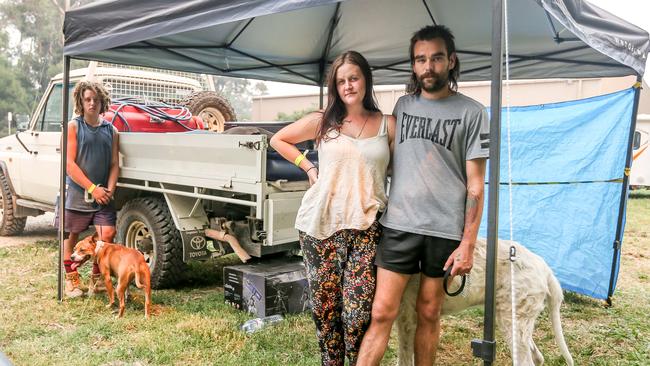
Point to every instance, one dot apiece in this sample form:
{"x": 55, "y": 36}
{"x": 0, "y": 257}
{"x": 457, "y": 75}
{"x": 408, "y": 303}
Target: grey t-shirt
{"x": 433, "y": 140}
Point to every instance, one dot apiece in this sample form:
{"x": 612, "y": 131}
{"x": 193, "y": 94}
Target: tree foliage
{"x": 13, "y": 97}
{"x": 238, "y": 93}
{"x": 38, "y": 54}
{"x": 295, "y": 115}
{"x": 38, "y": 24}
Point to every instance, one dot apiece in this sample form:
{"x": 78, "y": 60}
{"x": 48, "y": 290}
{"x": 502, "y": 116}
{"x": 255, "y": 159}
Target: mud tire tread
{"x": 198, "y": 101}
{"x": 10, "y": 225}
{"x": 168, "y": 265}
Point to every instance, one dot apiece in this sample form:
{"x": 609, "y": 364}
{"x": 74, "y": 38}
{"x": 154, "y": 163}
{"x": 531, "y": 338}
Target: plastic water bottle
{"x": 253, "y": 325}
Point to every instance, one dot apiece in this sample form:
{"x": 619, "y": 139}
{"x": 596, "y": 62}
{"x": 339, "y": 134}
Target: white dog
{"x": 535, "y": 285}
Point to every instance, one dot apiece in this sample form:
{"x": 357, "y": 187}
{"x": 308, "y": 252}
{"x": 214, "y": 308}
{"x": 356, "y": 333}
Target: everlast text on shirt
{"x": 439, "y": 132}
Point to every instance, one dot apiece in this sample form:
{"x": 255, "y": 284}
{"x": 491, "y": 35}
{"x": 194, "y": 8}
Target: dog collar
{"x": 99, "y": 246}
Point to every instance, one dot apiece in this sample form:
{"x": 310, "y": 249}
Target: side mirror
{"x": 21, "y": 122}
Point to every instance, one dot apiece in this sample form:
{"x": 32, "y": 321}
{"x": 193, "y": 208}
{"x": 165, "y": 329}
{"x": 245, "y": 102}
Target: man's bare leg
{"x": 427, "y": 333}
{"x": 105, "y": 233}
{"x": 385, "y": 308}
{"x": 68, "y": 245}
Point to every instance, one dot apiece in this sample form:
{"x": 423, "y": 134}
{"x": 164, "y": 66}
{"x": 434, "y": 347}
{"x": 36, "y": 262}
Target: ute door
{"x": 40, "y": 169}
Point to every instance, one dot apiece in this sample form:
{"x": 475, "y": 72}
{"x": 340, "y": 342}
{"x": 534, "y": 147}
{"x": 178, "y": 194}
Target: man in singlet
{"x": 436, "y": 194}
{"x": 92, "y": 171}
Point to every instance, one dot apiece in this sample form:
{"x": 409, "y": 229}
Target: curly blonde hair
{"x": 98, "y": 88}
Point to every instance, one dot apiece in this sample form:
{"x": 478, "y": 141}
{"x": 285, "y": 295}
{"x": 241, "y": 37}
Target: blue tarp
{"x": 568, "y": 162}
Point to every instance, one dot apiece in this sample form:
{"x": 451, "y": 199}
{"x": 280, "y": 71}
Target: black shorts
{"x": 409, "y": 253}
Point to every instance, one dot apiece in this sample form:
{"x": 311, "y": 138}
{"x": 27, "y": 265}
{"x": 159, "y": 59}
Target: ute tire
{"x": 10, "y": 225}
{"x": 149, "y": 218}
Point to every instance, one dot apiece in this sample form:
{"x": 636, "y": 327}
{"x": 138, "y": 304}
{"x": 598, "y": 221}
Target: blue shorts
{"x": 78, "y": 221}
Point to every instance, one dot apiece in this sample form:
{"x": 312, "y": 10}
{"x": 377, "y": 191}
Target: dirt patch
{"x": 37, "y": 228}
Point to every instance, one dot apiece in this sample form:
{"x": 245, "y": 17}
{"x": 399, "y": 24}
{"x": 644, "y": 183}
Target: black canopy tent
{"x": 295, "y": 40}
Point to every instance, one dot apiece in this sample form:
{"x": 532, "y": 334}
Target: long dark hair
{"x": 429, "y": 33}
{"x": 335, "y": 111}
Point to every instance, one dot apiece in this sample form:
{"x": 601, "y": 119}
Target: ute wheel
{"x": 146, "y": 225}
{"x": 10, "y": 225}
{"x": 213, "y": 109}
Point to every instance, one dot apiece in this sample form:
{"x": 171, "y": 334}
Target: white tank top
{"x": 351, "y": 185}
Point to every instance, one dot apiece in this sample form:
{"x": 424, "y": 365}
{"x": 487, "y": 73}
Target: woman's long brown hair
{"x": 335, "y": 111}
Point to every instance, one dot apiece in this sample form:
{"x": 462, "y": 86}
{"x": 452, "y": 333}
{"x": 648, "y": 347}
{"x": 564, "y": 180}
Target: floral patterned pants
{"x": 341, "y": 277}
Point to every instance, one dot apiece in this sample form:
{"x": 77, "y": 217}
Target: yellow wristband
{"x": 300, "y": 158}
{"x": 91, "y": 188}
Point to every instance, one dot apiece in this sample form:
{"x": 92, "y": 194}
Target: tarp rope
{"x": 513, "y": 250}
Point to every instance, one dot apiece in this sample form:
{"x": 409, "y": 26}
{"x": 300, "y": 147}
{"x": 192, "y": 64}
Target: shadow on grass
{"x": 582, "y": 300}
{"x": 206, "y": 274}
{"x": 640, "y": 194}
{"x": 49, "y": 244}
{"x": 210, "y": 273}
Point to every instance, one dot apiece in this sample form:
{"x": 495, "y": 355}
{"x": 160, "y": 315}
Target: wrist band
{"x": 312, "y": 167}
{"x": 91, "y": 188}
{"x": 300, "y": 158}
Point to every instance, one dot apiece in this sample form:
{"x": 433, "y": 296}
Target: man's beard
{"x": 439, "y": 82}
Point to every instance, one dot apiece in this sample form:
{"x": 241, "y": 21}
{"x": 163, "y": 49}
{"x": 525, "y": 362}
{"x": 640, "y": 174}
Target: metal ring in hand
{"x": 444, "y": 283}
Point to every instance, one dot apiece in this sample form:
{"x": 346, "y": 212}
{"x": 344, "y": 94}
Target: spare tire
{"x": 213, "y": 109}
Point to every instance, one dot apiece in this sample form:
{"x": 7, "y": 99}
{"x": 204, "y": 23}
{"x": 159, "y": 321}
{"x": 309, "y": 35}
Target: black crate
{"x": 278, "y": 286}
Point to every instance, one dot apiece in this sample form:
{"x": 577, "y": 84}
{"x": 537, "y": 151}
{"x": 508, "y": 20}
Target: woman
{"x": 336, "y": 221}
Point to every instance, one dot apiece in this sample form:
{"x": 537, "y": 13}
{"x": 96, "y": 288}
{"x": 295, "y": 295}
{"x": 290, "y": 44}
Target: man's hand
{"x": 462, "y": 259}
{"x": 101, "y": 195}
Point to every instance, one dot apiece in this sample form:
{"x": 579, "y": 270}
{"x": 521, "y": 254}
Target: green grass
{"x": 192, "y": 324}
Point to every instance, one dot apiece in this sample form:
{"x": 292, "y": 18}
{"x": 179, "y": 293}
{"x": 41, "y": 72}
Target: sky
{"x": 636, "y": 12}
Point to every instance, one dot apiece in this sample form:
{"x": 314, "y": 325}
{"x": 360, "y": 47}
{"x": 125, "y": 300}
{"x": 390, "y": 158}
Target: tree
{"x": 295, "y": 115}
{"x": 261, "y": 88}
{"x": 39, "y": 52}
{"x": 13, "y": 97}
{"x": 238, "y": 93}
{"x": 26, "y": 67}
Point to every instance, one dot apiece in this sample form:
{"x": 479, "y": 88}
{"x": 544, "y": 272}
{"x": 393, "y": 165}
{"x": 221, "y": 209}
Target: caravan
{"x": 640, "y": 175}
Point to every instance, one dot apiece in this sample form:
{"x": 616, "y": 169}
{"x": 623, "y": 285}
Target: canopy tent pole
{"x": 326, "y": 52}
{"x": 63, "y": 170}
{"x": 320, "y": 97}
{"x": 485, "y": 348}
{"x": 618, "y": 239}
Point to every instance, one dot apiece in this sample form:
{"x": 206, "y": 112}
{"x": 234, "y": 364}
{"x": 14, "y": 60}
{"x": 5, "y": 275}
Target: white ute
{"x": 172, "y": 186}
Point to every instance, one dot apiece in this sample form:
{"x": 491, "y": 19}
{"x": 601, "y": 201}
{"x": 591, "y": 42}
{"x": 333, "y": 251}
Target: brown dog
{"x": 124, "y": 263}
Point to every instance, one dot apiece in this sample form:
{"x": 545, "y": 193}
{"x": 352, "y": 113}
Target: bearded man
{"x": 436, "y": 194}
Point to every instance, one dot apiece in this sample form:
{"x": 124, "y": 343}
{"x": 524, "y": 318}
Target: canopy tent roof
{"x": 294, "y": 40}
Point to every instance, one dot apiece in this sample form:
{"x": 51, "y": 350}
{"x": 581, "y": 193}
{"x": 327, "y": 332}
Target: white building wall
{"x": 522, "y": 92}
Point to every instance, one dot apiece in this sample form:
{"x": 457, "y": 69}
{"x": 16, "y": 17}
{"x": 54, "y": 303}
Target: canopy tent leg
{"x": 485, "y": 348}
{"x": 64, "y": 151}
{"x": 320, "y": 98}
{"x": 618, "y": 239}
{"x": 326, "y": 52}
